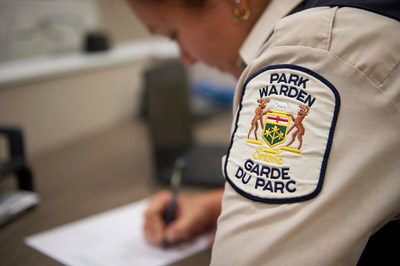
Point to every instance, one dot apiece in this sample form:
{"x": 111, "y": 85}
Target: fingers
{"x": 154, "y": 227}
{"x": 155, "y": 230}
{"x": 180, "y": 230}
{"x": 192, "y": 219}
{"x": 184, "y": 229}
{"x": 195, "y": 214}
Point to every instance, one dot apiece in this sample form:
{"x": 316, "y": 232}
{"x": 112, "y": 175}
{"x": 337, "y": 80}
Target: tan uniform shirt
{"x": 318, "y": 173}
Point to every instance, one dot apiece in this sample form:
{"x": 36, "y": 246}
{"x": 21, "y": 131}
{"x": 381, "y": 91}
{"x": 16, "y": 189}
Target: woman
{"x": 317, "y": 204}
{"x": 192, "y": 25}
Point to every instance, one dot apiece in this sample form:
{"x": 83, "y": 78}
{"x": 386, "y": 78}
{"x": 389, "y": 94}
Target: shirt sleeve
{"x": 312, "y": 178}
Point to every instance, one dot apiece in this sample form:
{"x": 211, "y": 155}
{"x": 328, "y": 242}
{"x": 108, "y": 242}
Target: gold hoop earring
{"x": 239, "y": 16}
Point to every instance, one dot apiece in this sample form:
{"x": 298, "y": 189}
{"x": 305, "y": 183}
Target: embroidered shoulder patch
{"x": 282, "y": 135}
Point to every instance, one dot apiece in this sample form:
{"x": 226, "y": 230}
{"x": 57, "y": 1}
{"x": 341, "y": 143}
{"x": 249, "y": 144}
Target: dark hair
{"x": 188, "y": 3}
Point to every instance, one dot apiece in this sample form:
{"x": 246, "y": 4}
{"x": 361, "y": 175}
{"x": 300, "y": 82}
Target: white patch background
{"x": 305, "y": 168}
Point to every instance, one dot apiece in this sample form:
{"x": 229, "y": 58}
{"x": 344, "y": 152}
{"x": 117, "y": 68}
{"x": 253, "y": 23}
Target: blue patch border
{"x": 328, "y": 146}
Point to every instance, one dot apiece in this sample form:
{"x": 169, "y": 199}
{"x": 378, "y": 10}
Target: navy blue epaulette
{"x": 389, "y": 8}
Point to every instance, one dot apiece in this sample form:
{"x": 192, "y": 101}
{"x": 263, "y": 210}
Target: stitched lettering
{"x": 284, "y": 90}
{"x": 263, "y": 92}
{"x": 290, "y": 189}
{"x": 302, "y": 82}
{"x": 274, "y": 77}
{"x": 240, "y": 174}
{"x": 274, "y": 187}
{"x": 273, "y": 179}
{"x": 291, "y": 92}
{"x": 273, "y": 91}
{"x": 294, "y": 79}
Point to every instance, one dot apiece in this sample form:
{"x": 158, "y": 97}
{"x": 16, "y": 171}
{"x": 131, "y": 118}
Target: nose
{"x": 186, "y": 58}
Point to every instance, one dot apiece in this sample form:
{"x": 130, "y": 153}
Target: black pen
{"x": 170, "y": 212}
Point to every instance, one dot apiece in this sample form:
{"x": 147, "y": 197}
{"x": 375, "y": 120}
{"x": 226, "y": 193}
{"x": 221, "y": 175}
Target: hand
{"x": 195, "y": 214}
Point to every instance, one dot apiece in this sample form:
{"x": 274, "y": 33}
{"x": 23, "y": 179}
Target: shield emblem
{"x": 275, "y": 128}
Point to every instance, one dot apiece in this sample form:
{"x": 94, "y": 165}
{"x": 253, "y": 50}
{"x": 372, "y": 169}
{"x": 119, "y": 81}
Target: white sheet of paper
{"x": 114, "y": 237}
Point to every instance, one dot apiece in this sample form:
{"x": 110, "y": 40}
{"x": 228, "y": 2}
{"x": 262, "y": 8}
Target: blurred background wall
{"x": 118, "y": 19}
{"x": 57, "y": 91}
{"x": 50, "y": 88}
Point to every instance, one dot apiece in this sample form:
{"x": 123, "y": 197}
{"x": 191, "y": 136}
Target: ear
{"x": 241, "y": 9}
{"x": 241, "y": 4}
